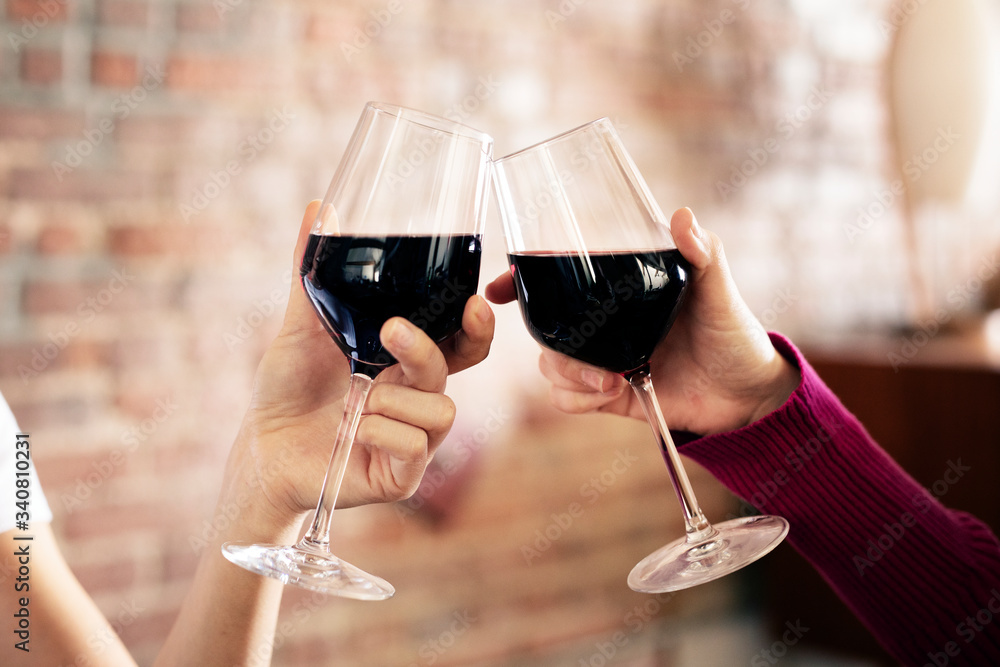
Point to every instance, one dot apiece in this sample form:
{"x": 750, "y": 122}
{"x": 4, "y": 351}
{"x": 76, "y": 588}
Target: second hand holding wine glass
{"x": 398, "y": 234}
{"x": 598, "y": 277}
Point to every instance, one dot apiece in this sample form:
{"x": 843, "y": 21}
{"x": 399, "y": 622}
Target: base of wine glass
{"x": 308, "y": 568}
{"x": 730, "y": 546}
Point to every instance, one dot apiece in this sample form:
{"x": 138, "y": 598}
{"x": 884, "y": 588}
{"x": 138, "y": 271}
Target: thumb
{"x": 501, "y": 290}
{"x": 693, "y": 241}
{"x": 718, "y": 299}
{"x": 704, "y": 251}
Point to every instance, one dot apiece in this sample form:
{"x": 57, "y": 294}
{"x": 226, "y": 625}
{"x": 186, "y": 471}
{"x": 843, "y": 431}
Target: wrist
{"x": 781, "y": 379}
{"x": 245, "y": 515}
{"x": 245, "y": 510}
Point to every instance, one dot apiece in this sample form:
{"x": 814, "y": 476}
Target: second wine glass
{"x": 599, "y": 278}
{"x": 398, "y": 234}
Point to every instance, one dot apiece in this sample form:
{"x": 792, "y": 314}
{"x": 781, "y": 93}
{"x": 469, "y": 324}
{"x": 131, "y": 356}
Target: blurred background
{"x": 155, "y": 160}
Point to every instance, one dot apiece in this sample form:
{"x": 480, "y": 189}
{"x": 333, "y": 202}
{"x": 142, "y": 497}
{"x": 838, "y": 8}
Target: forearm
{"x": 227, "y": 618}
{"x": 229, "y": 614}
{"x": 64, "y": 626}
{"x": 911, "y": 569}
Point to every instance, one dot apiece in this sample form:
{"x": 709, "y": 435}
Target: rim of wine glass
{"x": 603, "y": 121}
{"x": 429, "y": 120}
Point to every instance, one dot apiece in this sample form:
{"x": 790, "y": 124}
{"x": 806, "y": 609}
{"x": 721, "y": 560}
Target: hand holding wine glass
{"x": 297, "y": 402}
{"x": 715, "y": 372}
{"x": 599, "y": 278}
{"x": 398, "y": 237}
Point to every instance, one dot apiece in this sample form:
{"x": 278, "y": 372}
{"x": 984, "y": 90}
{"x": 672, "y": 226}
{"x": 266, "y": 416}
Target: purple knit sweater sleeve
{"x": 923, "y": 578}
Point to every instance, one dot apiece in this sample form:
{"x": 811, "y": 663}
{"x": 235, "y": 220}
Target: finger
{"x": 399, "y": 440}
{"x": 575, "y": 402}
{"x": 421, "y": 361}
{"x": 431, "y": 412}
{"x": 471, "y": 345}
{"x": 703, "y": 250}
{"x": 718, "y": 294}
{"x": 690, "y": 238}
{"x": 501, "y": 290}
{"x": 405, "y": 446}
{"x": 299, "y": 315}
{"x": 554, "y": 370}
{"x": 560, "y": 381}
{"x": 572, "y": 372}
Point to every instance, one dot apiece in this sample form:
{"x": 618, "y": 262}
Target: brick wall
{"x": 155, "y": 158}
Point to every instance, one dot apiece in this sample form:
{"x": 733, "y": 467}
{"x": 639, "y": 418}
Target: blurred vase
{"x": 941, "y": 81}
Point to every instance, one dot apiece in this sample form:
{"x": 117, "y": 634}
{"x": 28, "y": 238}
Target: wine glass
{"x": 599, "y": 278}
{"x": 398, "y": 234}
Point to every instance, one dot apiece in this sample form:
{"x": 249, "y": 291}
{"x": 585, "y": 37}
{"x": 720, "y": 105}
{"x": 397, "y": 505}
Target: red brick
{"x": 120, "y": 291}
{"x": 73, "y": 412}
{"x": 46, "y": 298}
{"x": 59, "y": 240}
{"x": 80, "y": 184}
{"x": 199, "y": 17}
{"x": 86, "y": 353}
{"x": 123, "y": 12}
{"x": 13, "y": 355}
{"x": 94, "y": 520}
{"x": 158, "y": 129}
{"x": 37, "y": 11}
{"x": 23, "y": 123}
{"x": 41, "y": 66}
{"x": 200, "y": 72}
{"x": 115, "y": 575}
{"x": 150, "y": 353}
{"x": 141, "y": 404}
{"x": 185, "y": 459}
{"x": 223, "y": 73}
{"x": 115, "y": 70}
{"x": 331, "y": 28}
{"x": 131, "y": 241}
{"x": 30, "y": 358}
{"x": 69, "y": 298}
{"x": 64, "y": 474}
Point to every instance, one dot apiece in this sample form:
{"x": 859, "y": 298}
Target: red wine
{"x": 356, "y": 283}
{"x": 608, "y": 309}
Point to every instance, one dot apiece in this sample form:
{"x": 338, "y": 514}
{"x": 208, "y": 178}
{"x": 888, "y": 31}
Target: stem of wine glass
{"x": 318, "y": 535}
{"x": 697, "y": 526}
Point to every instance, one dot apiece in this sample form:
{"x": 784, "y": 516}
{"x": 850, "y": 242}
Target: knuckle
{"x": 447, "y": 411}
{"x": 368, "y": 430}
{"x": 375, "y": 401}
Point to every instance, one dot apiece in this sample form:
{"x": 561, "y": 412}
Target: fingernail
{"x": 695, "y": 227}
{"x": 401, "y": 335}
{"x": 481, "y": 310}
{"x": 593, "y": 379}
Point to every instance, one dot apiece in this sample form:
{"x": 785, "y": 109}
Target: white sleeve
{"x": 38, "y": 508}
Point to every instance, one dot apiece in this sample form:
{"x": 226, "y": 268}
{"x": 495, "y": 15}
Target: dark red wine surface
{"x": 607, "y": 309}
{"x": 356, "y": 283}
